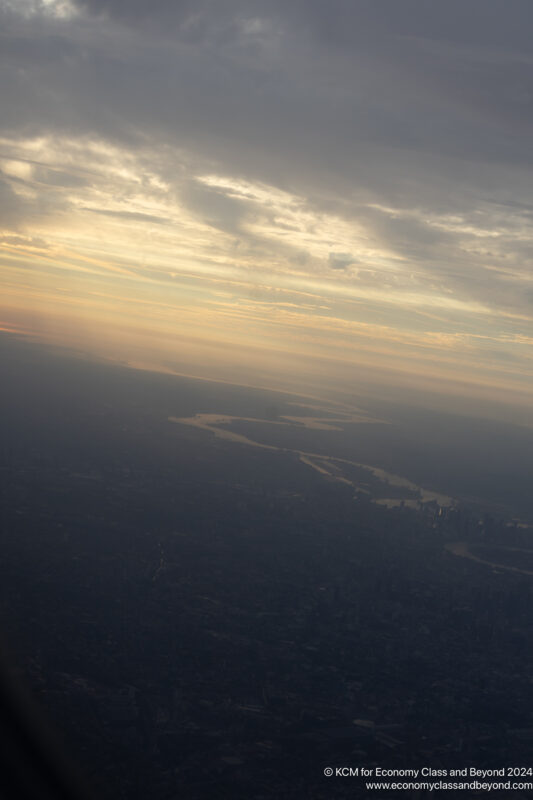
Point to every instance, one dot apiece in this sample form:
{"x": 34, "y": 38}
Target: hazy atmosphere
{"x": 266, "y": 419}
{"x": 293, "y": 195}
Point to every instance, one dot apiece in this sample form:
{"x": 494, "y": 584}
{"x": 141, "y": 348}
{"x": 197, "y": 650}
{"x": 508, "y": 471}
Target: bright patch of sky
{"x": 248, "y": 187}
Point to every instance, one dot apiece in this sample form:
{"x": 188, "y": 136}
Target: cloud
{"x": 305, "y": 105}
{"x": 356, "y": 147}
{"x": 127, "y": 215}
{"x": 214, "y": 206}
{"x": 341, "y": 260}
{"x": 10, "y": 204}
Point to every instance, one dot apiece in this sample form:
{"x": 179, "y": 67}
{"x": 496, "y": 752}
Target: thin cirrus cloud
{"x": 312, "y": 185}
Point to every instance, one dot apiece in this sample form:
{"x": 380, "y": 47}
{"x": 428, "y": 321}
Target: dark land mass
{"x": 202, "y": 619}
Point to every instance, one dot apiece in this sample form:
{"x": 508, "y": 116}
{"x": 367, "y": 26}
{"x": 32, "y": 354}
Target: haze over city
{"x": 307, "y": 196}
{"x": 266, "y": 419}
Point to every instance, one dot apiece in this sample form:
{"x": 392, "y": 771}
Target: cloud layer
{"x": 351, "y": 181}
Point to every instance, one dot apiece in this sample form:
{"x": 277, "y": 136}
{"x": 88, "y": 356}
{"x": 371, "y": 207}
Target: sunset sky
{"x": 293, "y": 194}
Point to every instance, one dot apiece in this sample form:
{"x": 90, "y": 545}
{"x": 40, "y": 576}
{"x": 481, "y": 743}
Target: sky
{"x": 291, "y": 194}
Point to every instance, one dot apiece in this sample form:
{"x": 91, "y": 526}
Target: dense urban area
{"x": 203, "y": 619}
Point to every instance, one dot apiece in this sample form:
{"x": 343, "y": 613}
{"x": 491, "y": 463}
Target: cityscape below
{"x": 212, "y": 592}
